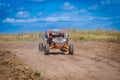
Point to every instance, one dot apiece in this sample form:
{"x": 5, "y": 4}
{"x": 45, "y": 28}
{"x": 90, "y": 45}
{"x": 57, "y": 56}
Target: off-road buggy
{"x": 56, "y": 39}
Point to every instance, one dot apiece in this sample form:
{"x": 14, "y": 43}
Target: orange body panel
{"x": 64, "y": 47}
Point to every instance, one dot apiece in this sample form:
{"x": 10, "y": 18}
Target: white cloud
{"x": 9, "y": 20}
{"x": 117, "y": 16}
{"x": 73, "y": 16}
{"x": 22, "y": 14}
{"x": 37, "y": 0}
{"x": 94, "y": 7}
{"x": 39, "y": 14}
{"x": 51, "y": 19}
{"x": 105, "y": 2}
{"x": 48, "y": 19}
{"x": 68, "y": 6}
{"x": 59, "y": 18}
{"x": 21, "y": 8}
{"x": 4, "y": 4}
{"x": 13, "y": 20}
{"x": 83, "y": 10}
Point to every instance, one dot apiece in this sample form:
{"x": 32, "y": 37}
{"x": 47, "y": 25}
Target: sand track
{"x": 91, "y": 61}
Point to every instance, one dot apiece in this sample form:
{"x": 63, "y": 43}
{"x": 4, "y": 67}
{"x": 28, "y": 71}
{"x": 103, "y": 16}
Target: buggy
{"x": 56, "y": 39}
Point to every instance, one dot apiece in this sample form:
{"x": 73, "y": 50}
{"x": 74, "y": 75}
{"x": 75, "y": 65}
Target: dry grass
{"x": 20, "y": 37}
{"x": 99, "y": 35}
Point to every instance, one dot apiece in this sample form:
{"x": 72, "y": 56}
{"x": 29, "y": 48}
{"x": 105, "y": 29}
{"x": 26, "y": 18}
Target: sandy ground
{"x": 92, "y": 60}
{"x": 12, "y": 68}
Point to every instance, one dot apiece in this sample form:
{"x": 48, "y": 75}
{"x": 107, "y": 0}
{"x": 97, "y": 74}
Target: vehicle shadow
{"x": 57, "y": 53}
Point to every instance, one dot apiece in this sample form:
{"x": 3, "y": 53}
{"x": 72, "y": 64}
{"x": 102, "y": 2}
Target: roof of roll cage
{"x": 56, "y": 30}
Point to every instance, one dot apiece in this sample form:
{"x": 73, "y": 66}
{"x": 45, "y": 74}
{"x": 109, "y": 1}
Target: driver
{"x": 50, "y": 35}
{"x": 50, "y": 38}
{"x": 60, "y": 35}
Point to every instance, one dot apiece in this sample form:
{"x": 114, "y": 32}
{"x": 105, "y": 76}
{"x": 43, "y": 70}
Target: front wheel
{"x": 71, "y": 49}
{"x": 46, "y": 49}
{"x": 40, "y": 46}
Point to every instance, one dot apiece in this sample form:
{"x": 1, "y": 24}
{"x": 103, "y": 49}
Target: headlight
{"x": 54, "y": 40}
{"x": 64, "y": 40}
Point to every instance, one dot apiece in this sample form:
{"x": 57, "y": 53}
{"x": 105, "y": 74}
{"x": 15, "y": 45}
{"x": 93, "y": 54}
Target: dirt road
{"x": 91, "y": 60}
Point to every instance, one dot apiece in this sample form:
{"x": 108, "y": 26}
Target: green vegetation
{"x": 37, "y": 73}
{"x": 98, "y": 34}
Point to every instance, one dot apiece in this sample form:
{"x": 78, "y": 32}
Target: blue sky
{"x": 38, "y": 15}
